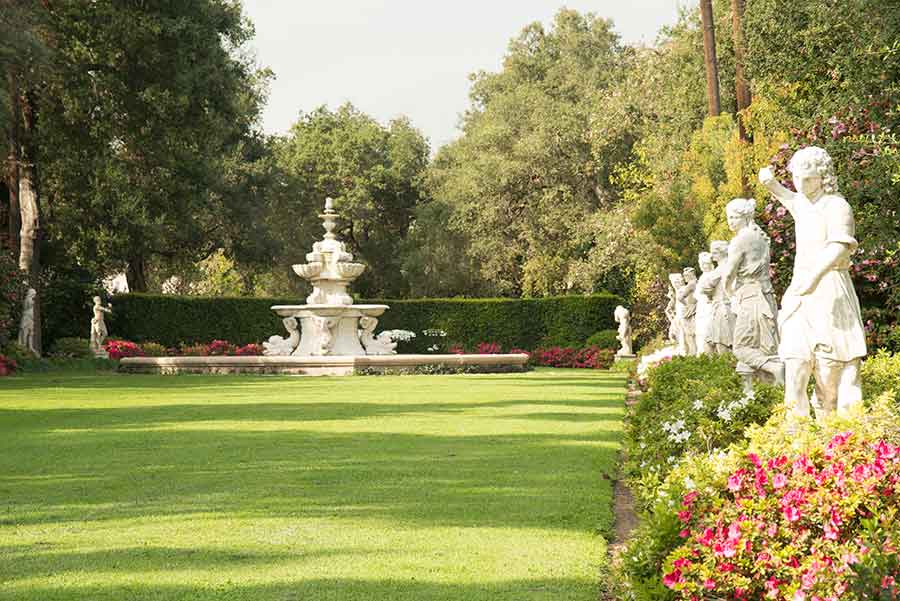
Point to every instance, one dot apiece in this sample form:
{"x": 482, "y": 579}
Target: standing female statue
{"x": 746, "y": 277}
{"x": 822, "y": 333}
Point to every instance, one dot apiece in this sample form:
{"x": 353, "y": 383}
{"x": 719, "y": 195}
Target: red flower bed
{"x": 117, "y": 349}
{"x": 588, "y": 358}
{"x": 488, "y": 348}
{"x": 810, "y": 527}
{"x": 248, "y": 350}
{"x": 7, "y": 366}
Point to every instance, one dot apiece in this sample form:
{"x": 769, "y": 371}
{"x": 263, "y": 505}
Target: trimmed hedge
{"x": 512, "y": 323}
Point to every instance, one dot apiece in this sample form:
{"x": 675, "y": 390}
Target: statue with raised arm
{"x": 623, "y": 318}
{"x": 26, "y": 325}
{"x": 821, "y": 326}
{"x": 704, "y": 297}
{"x": 720, "y": 330}
{"x": 684, "y": 315}
{"x": 98, "y": 328}
{"x": 746, "y": 277}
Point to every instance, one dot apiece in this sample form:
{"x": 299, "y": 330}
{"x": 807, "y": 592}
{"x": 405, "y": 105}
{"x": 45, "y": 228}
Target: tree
{"x": 523, "y": 174}
{"x": 151, "y": 103}
{"x": 374, "y": 173}
{"x": 709, "y": 54}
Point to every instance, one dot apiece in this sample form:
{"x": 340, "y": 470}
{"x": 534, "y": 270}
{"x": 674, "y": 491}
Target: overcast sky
{"x": 406, "y": 57}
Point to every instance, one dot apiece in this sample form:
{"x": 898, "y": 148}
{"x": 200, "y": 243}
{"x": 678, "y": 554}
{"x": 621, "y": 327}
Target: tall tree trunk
{"x": 709, "y": 53}
{"x": 136, "y": 274}
{"x": 11, "y": 174}
{"x": 29, "y": 207}
{"x": 742, "y": 88}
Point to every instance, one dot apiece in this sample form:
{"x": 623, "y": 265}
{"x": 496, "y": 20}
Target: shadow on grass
{"x": 338, "y": 589}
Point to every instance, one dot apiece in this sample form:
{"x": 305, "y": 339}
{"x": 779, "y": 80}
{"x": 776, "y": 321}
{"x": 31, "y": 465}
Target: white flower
{"x": 400, "y": 335}
{"x": 642, "y": 446}
{"x": 678, "y": 426}
{"x": 698, "y": 405}
{"x": 724, "y": 414}
{"x": 688, "y": 483}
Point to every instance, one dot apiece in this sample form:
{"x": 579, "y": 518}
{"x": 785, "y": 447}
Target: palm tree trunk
{"x": 709, "y": 53}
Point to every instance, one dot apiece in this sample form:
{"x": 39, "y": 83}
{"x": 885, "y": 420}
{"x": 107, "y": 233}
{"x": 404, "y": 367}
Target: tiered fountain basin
{"x": 327, "y": 365}
{"x": 346, "y": 339}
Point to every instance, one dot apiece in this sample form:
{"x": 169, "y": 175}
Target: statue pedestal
{"x": 329, "y": 329}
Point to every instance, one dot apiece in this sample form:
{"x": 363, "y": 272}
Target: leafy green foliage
{"x": 71, "y": 348}
{"x": 373, "y": 173}
{"x": 604, "y": 339}
{"x": 881, "y": 373}
{"x": 526, "y": 323}
{"x": 692, "y": 404}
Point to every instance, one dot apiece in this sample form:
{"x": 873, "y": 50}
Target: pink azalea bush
{"x": 219, "y": 347}
{"x": 791, "y": 527}
{"x": 8, "y": 366}
{"x": 249, "y": 350}
{"x": 588, "y": 358}
{"x": 119, "y": 349}
{"x": 488, "y": 348}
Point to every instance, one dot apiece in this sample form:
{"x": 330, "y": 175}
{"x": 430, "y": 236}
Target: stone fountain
{"x": 329, "y": 335}
{"x": 329, "y": 321}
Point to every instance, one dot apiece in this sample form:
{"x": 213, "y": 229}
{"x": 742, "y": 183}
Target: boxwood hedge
{"x": 513, "y": 323}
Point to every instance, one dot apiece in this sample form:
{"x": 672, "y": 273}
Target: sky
{"x": 406, "y": 57}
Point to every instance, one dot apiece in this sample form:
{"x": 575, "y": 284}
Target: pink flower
{"x": 673, "y": 578}
{"x": 690, "y": 498}
{"x": 779, "y": 481}
{"x": 710, "y": 584}
{"x": 684, "y": 516}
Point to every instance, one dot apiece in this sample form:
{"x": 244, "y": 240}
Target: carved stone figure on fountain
{"x": 623, "y": 318}
{"x": 677, "y": 327}
{"x": 99, "y": 332}
{"x": 277, "y": 346}
{"x": 703, "y": 295}
{"x": 821, "y": 326}
{"x": 746, "y": 278}
{"x": 26, "y": 324}
{"x": 720, "y": 330}
{"x": 375, "y": 345}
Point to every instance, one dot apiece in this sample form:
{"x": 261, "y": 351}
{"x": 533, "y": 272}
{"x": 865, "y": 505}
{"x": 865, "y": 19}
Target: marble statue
{"x": 26, "y": 325}
{"x": 278, "y": 346}
{"x": 720, "y": 330}
{"x": 746, "y": 276}
{"x": 703, "y": 295}
{"x": 325, "y": 341}
{"x": 623, "y": 318}
{"x": 689, "y": 319}
{"x": 676, "y": 328}
{"x": 375, "y": 345}
{"x": 98, "y": 328}
{"x": 672, "y": 313}
{"x": 820, "y": 323}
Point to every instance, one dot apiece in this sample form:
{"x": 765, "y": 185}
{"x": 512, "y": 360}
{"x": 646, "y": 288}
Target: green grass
{"x": 124, "y": 488}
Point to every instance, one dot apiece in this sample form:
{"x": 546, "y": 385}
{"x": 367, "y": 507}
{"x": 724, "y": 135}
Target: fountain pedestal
{"x": 329, "y": 329}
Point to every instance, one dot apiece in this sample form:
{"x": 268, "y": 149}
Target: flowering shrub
{"x": 488, "y": 348}
{"x": 219, "y": 347}
{"x": 154, "y": 349}
{"x": 8, "y": 366}
{"x": 194, "y": 350}
{"x": 118, "y": 349}
{"x": 457, "y": 349}
{"x": 588, "y": 358}
{"x": 880, "y": 374}
{"x": 691, "y": 404}
{"x": 249, "y": 350}
{"x": 789, "y": 526}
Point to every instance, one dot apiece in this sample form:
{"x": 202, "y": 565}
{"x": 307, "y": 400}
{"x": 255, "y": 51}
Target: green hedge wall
{"x": 522, "y": 323}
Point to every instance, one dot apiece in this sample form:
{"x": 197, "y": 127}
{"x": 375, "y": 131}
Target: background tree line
{"x": 584, "y": 164}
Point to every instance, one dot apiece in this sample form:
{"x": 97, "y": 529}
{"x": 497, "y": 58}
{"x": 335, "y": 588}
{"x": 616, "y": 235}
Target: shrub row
{"x": 731, "y": 510}
{"x": 566, "y": 321}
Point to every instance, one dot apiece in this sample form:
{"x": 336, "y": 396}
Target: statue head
{"x": 31, "y": 293}
{"x": 813, "y": 172}
{"x": 676, "y": 279}
{"x": 690, "y": 276}
{"x": 719, "y": 250}
{"x": 97, "y": 300}
{"x": 740, "y": 213}
{"x": 706, "y": 262}
{"x": 621, "y": 313}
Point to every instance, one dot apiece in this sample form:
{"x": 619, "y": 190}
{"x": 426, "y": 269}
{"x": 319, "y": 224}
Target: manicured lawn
{"x": 125, "y": 488}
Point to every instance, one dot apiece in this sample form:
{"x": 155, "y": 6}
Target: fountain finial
{"x": 329, "y": 204}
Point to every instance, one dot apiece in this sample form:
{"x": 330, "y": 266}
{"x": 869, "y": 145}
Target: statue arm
{"x": 782, "y": 194}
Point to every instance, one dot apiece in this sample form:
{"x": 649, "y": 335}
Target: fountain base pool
{"x": 328, "y": 365}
